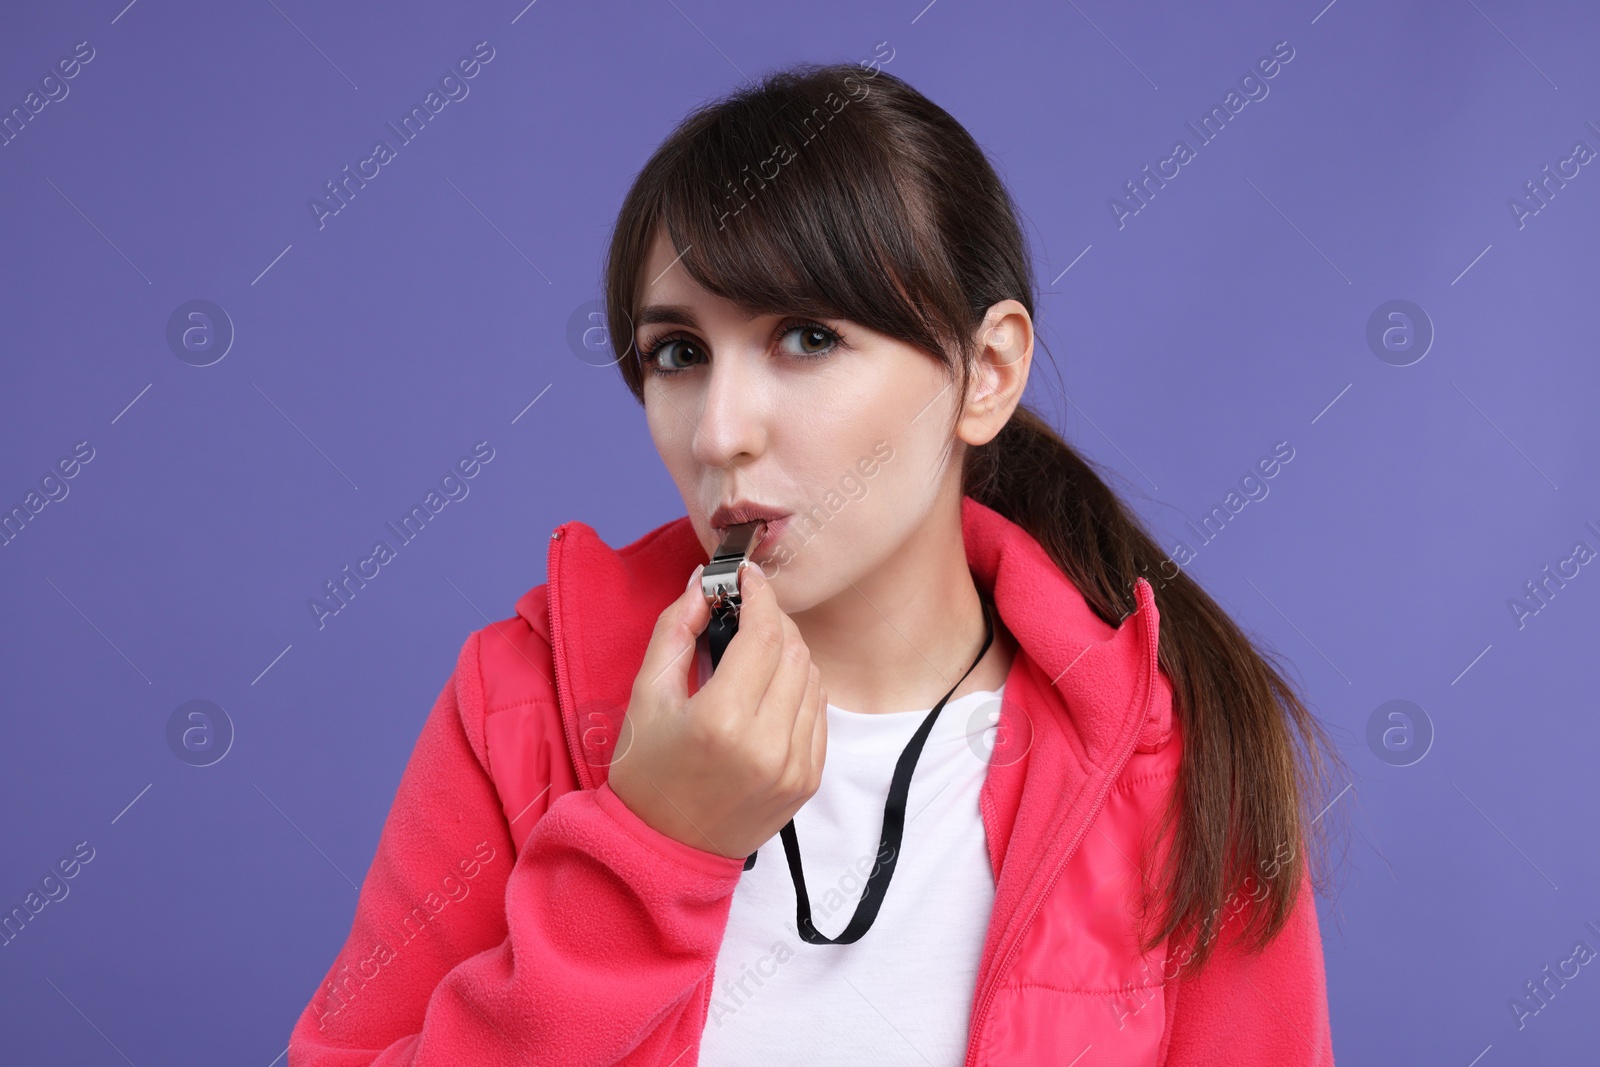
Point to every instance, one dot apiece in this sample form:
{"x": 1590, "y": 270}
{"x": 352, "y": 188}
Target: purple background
{"x": 1229, "y": 314}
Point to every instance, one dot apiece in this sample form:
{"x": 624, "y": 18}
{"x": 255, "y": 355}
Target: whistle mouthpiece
{"x": 720, "y": 579}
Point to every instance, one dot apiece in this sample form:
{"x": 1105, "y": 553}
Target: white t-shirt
{"x": 902, "y": 993}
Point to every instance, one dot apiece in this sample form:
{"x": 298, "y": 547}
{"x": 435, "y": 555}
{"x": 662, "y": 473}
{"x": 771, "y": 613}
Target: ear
{"x": 999, "y": 373}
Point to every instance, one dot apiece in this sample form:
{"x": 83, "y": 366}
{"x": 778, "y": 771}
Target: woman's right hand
{"x": 725, "y": 769}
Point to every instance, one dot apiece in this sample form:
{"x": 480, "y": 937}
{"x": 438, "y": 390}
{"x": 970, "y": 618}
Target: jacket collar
{"x": 1095, "y": 681}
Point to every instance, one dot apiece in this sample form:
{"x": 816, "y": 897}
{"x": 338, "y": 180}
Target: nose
{"x": 733, "y": 421}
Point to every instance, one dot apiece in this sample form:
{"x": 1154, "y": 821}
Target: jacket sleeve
{"x": 1267, "y": 1009}
{"x": 592, "y": 946}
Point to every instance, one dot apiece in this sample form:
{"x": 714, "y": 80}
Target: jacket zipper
{"x": 558, "y": 648}
{"x": 1083, "y": 829}
{"x": 564, "y": 696}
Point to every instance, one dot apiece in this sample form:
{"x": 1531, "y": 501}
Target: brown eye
{"x": 811, "y": 339}
{"x": 664, "y": 355}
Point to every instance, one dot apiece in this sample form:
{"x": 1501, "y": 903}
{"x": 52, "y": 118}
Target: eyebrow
{"x": 651, "y": 314}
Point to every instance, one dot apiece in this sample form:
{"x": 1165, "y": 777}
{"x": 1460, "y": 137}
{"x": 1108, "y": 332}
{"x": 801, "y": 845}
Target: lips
{"x": 742, "y": 511}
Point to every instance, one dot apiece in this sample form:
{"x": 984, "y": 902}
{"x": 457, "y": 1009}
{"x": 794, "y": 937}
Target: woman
{"x": 1086, "y": 840}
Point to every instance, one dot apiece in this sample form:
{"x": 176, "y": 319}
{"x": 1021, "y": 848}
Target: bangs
{"x": 794, "y": 197}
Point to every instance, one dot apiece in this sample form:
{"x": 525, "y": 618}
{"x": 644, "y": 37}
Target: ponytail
{"x": 1253, "y": 755}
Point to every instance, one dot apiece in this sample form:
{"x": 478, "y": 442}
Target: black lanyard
{"x": 894, "y": 824}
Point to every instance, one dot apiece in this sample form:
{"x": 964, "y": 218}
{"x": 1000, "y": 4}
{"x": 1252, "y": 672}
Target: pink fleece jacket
{"x": 517, "y": 912}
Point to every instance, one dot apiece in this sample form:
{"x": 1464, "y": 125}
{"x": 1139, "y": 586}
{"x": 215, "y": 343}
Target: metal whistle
{"x": 720, "y": 584}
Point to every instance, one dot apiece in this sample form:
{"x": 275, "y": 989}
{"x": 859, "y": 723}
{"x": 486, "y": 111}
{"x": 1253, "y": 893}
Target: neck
{"x": 899, "y": 637}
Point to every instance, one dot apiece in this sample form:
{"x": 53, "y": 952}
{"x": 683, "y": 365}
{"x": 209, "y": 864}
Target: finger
{"x": 670, "y": 654}
{"x": 784, "y": 696}
{"x": 819, "y": 738}
{"x": 803, "y": 735}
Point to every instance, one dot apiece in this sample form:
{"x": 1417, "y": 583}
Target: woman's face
{"x": 839, "y": 428}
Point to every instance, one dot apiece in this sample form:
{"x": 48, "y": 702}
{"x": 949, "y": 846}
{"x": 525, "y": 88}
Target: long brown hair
{"x": 841, "y": 192}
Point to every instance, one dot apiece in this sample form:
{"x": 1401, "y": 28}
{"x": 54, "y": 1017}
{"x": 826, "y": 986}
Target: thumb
{"x": 756, "y": 597}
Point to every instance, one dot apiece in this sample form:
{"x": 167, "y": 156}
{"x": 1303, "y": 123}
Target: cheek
{"x": 913, "y": 453}
{"x": 670, "y": 433}
{"x": 828, "y": 433}
{"x": 864, "y": 462}
{"x": 673, "y": 440}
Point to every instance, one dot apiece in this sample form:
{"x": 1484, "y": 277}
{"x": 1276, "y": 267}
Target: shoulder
{"x": 1138, "y": 801}
{"x": 1153, "y": 767}
{"x": 515, "y": 712}
{"x": 513, "y": 656}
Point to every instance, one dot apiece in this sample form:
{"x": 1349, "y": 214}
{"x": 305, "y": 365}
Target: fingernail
{"x": 694, "y": 576}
